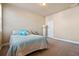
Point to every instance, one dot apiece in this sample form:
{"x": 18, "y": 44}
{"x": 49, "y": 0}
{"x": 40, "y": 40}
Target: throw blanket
{"x": 23, "y": 45}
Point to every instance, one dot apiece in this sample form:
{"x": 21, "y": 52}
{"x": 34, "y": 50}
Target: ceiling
{"x": 50, "y": 8}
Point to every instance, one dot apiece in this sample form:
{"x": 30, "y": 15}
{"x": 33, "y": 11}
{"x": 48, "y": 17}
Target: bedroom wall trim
{"x": 66, "y": 40}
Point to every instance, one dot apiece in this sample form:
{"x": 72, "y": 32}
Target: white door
{"x": 49, "y": 22}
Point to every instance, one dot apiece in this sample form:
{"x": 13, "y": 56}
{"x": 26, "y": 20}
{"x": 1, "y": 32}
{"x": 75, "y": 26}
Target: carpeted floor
{"x": 55, "y": 48}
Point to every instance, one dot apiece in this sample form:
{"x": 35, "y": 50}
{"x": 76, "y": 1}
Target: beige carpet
{"x": 55, "y": 48}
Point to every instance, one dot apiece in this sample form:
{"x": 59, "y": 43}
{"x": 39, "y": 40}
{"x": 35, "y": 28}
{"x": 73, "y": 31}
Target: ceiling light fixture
{"x": 44, "y": 4}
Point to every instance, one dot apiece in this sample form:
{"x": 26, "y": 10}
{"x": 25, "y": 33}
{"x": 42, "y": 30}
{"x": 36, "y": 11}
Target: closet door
{"x": 0, "y": 24}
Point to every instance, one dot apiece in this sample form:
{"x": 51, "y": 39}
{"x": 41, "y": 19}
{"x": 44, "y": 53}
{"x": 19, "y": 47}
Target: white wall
{"x": 15, "y": 18}
{"x": 66, "y": 24}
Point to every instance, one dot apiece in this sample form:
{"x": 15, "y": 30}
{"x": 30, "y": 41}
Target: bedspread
{"x": 23, "y": 45}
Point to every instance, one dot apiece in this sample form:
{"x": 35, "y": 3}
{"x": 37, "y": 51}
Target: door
{"x": 49, "y": 22}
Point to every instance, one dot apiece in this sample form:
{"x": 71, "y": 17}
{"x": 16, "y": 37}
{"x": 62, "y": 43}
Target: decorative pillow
{"x": 14, "y": 32}
{"x": 20, "y": 32}
{"x": 23, "y": 32}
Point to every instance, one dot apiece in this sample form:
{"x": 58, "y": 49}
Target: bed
{"x": 21, "y": 45}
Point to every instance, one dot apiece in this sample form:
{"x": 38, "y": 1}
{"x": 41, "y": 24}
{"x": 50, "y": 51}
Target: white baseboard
{"x": 66, "y": 40}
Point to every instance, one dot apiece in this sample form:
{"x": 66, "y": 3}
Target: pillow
{"x": 23, "y": 32}
{"x": 14, "y": 32}
{"x": 20, "y": 32}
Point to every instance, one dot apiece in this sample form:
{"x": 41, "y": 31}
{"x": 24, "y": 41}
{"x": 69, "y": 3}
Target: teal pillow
{"x": 23, "y": 32}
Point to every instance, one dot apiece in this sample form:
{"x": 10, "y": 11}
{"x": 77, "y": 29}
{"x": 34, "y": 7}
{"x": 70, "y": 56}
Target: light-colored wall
{"x": 66, "y": 24}
{"x": 15, "y": 18}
